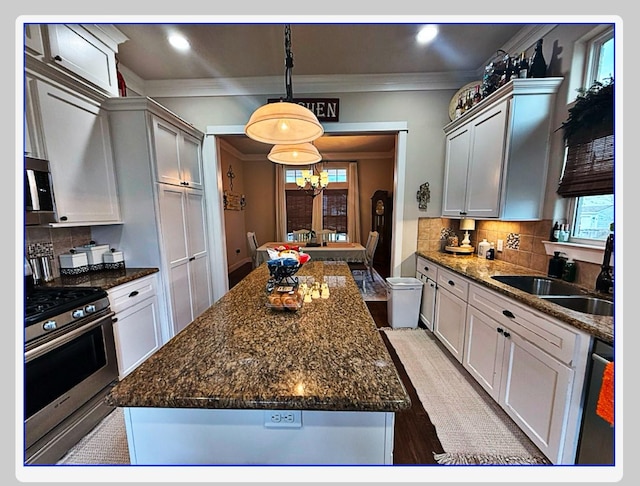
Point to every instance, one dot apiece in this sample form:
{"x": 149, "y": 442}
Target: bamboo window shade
{"x": 589, "y": 167}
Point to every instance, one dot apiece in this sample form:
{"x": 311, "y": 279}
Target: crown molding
{"x": 268, "y": 85}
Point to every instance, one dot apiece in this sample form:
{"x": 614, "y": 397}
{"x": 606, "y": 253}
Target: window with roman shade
{"x": 299, "y": 210}
{"x": 334, "y": 209}
{"x": 589, "y": 134}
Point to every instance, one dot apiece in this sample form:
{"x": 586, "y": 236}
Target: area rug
{"x": 105, "y": 444}
{"x": 372, "y": 286}
{"x": 471, "y": 427}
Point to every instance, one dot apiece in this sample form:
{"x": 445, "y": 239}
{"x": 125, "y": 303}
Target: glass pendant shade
{"x": 283, "y": 123}
{"x": 296, "y": 154}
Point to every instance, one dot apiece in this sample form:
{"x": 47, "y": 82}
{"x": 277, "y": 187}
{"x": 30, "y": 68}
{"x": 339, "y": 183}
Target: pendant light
{"x": 296, "y": 154}
{"x": 284, "y": 122}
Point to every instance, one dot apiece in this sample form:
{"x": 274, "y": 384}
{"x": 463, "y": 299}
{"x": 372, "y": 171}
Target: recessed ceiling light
{"x": 179, "y": 42}
{"x": 427, "y": 33}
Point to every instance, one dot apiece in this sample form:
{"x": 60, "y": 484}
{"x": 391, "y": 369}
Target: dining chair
{"x": 327, "y": 235}
{"x": 370, "y": 249}
{"x": 253, "y": 248}
{"x": 301, "y": 235}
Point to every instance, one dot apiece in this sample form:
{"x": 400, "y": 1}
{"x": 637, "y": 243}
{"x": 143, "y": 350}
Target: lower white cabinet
{"x": 451, "y": 311}
{"x": 528, "y": 363}
{"x": 137, "y": 329}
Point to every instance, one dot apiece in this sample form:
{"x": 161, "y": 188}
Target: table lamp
{"x": 466, "y": 225}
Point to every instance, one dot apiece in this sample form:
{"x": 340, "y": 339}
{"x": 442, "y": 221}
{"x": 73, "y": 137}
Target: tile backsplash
{"x": 52, "y": 242}
{"x": 522, "y": 242}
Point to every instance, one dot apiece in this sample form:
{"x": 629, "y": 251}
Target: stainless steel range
{"x": 70, "y": 366}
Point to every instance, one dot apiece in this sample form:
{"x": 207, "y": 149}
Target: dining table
{"x": 332, "y": 251}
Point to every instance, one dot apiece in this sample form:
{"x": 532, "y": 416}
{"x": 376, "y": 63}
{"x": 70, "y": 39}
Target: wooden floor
{"x": 415, "y": 439}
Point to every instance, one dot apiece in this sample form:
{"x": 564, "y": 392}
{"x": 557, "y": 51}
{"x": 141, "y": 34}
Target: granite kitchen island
{"x": 245, "y": 384}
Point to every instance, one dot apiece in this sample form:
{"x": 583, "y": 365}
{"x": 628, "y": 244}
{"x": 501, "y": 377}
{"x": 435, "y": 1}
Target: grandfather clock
{"x": 381, "y": 212}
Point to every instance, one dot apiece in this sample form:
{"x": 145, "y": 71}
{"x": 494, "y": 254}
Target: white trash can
{"x": 403, "y": 301}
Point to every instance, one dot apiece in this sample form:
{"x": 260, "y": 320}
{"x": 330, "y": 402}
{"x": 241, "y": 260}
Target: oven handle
{"x": 65, "y": 338}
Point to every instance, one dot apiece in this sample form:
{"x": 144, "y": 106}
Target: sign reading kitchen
{"x": 325, "y": 109}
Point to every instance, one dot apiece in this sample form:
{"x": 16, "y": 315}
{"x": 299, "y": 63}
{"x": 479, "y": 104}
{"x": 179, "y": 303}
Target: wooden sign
{"x": 325, "y": 109}
{"x": 233, "y": 202}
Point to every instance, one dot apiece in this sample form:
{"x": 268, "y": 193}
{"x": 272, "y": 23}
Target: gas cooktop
{"x": 45, "y": 302}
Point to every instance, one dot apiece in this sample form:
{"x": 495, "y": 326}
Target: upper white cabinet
{"x": 178, "y": 155}
{"x": 497, "y": 153}
{"x": 76, "y": 140}
{"x": 84, "y": 52}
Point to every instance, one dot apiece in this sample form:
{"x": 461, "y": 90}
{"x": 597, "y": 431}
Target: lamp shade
{"x": 283, "y": 123}
{"x": 467, "y": 224}
{"x": 296, "y": 154}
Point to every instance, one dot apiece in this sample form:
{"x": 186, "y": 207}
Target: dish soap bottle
{"x": 556, "y": 265}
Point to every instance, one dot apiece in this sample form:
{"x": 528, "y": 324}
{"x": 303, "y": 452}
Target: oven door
{"x": 63, "y": 374}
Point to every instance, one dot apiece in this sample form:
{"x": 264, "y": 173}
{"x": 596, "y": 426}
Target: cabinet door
{"x": 137, "y": 334}
{"x": 80, "y": 52}
{"x": 486, "y": 163}
{"x": 450, "y": 321}
{"x": 178, "y": 155}
{"x": 191, "y": 161}
{"x": 535, "y": 390}
{"x": 77, "y": 141}
{"x": 455, "y": 172}
{"x": 173, "y": 227}
{"x": 484, "y": 344}
{"x": 32, "y": 128}
{"x": 198, "y": 252}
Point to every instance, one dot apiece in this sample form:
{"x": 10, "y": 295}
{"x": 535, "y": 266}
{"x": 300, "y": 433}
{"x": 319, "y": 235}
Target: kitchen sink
{"x": 537, "y": 285}
{"x": 588, "y": 305}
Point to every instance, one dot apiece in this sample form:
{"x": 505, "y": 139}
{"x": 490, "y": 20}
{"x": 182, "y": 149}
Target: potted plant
{"x": 592, "y": 114}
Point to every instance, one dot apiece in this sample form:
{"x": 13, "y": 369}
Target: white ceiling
{"x": 319, "y": 49}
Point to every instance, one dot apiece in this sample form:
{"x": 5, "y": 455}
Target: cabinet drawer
{"x": 539, "y": 329}
{"x": 125, "y": 295}
{"x": 427, "y": 268}
{"x": 455, "y": 284}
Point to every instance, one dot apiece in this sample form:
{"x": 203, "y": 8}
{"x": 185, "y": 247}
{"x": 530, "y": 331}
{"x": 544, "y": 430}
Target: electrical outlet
{"x": 500, "y": 245}
{"x": 283, "y": 418}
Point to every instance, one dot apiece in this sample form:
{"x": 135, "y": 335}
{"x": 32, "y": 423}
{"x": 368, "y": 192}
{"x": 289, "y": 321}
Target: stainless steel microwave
{"x": 39, "y": 203}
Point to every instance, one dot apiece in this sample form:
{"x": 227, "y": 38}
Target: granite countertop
{"x": 240, "y": 354}
{"x": 481, "y": 270}
{"x": 105, "y": 279}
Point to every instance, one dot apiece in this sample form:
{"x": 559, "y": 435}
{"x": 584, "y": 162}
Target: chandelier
{"x": 313, "y": 181}
{"x": 284, "y": 122}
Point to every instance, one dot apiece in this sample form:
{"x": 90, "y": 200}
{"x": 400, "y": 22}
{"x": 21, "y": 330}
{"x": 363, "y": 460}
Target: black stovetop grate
{"x": 44, "y": 302}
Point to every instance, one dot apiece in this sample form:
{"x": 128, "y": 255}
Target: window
{"x": 591, "y": 215}
{"x": 334, "y": 203}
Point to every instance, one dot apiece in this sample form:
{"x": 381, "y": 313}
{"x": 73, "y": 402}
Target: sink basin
{"x": 588, "y": 305}
{"x": 537, "y": 285}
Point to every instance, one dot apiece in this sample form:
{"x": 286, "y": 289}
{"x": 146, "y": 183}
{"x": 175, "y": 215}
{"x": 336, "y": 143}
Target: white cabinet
{"x": 85, "y": 53}
{"x": 136, "y": 329}
{"x": 497, "y": 154}
{"x": 182, "y": 217}
{"x": 451, "y": 311}
{"x": 529, "y": 363}
{"x": 165, "y": 224}
{"x": 178, "y": 155}
{"x": 76, "y": 140}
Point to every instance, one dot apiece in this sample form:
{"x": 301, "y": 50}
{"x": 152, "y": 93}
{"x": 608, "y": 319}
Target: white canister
{"x": 483, "y": 246}
{"x": 73, "y": 263}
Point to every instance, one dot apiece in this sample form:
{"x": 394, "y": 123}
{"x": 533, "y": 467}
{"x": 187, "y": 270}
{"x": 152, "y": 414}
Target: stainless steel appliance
{"x": 39, "y": 203}
{"x": 70, "y": 366}
{"x": 596, "y": 444}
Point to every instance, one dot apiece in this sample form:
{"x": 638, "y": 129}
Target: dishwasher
{"x": 427, "y": 273}
{"x": 596, "y": 444}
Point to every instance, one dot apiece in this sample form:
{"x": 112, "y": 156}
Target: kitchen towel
{"x": 605, "y": 404}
